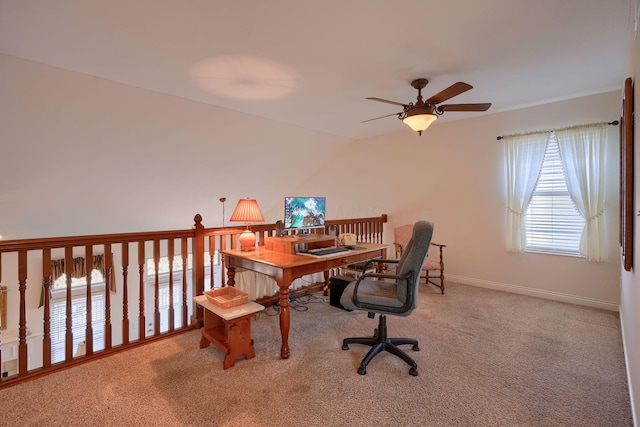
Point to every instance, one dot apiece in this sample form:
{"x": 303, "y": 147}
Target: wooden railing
{"x": 148, "y": 281}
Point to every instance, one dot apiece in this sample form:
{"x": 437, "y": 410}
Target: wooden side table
{"x": 229, "y": 329}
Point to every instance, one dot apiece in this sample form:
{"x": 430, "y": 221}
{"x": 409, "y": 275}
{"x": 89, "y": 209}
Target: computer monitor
{"x": 302, "y": 213}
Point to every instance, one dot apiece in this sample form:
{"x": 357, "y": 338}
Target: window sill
{"x": 550, "y": 252}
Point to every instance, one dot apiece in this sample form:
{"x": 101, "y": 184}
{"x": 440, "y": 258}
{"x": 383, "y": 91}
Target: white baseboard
{"x": 629, "y": 381}
{"x": 556, "y": 296}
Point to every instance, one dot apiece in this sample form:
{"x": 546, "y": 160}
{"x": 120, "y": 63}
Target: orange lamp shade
{"x": 247, "y": 211}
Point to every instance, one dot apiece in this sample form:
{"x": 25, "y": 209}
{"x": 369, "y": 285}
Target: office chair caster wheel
{"x": 414, "y": 371}
{"x": 415, "y": 348}
{"x": 345, "y": 346}
{"x": 363, "y": 371}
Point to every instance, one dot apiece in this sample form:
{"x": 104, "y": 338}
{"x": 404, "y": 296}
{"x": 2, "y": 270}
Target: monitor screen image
{"x": 304, "y": 212}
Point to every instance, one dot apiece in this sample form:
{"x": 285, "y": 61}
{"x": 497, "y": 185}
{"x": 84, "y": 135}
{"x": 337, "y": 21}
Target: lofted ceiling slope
{"x": 313, "y": 63}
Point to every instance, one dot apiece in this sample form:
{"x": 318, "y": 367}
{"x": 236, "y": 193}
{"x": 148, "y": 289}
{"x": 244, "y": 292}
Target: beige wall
{"x": 83, "y": 155}
{"x": 630, "y": 285}
{"x": 453, "y": 175}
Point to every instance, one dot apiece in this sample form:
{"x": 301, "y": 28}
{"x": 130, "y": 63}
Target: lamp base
{"x": 247, "y": 240}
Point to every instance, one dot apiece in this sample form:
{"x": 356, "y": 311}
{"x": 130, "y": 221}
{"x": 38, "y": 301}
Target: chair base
{"x": 379, "y": 343}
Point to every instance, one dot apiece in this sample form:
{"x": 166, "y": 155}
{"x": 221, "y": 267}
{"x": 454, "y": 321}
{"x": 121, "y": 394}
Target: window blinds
{"x": 552, "y": 222}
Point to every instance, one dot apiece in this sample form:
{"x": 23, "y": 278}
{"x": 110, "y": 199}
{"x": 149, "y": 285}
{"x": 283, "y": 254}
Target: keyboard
{"x": 325, "y": 251}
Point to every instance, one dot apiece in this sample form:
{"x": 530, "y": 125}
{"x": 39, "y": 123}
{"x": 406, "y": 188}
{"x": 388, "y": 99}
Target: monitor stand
{"x": 294, "y": 244}
{"x": 308, "y": 235}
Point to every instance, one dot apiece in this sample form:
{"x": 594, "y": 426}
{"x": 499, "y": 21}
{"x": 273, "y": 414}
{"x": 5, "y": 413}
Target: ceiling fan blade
{"x": 464, "y": 107}
{"x": 453, "y": 90}
{"x": 387, "y": 101}
{"x": 381, "y": 117}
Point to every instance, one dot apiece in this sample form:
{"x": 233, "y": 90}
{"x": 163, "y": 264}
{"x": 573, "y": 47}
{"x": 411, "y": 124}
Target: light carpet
{"x": 487, "y": 358}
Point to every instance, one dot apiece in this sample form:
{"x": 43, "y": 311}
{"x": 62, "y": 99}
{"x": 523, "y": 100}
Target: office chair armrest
{"x": 405, "y": 307}
{"x": 382, "y": 276}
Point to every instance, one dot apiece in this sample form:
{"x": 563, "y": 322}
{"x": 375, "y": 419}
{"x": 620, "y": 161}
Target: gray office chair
{"x": 395, "y": 294}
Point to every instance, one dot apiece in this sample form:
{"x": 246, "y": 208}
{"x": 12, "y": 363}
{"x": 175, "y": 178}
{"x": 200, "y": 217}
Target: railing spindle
{"x": 88, "y": 256}
{"x": 156, "y": 287}
{"x": 212, "y": 253}
{"x": 22, "y": 330}
{"x": 46, "y": 293}
{"x": 184, "y": 252}
{"x": 223, "y": 269}
{"x": 125, "y": 292}
{"x": 108, "y": 281}
{"x": 141, "y": 319}
{"x": 68, "y": 338}
{"x": 171, "y": 254}
{"x": 198, "y": 257}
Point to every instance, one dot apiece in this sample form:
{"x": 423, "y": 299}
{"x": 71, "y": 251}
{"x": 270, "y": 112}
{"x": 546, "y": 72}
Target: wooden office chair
{"x": 433, "y": 267}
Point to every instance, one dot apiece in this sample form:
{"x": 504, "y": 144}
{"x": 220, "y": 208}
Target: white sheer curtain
{"x": 524, "y": 156}
{"x": 258, "y": 285}
{"x": 582, "y": 152}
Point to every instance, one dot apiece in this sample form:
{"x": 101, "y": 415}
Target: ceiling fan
{"x": 420, "y": 115}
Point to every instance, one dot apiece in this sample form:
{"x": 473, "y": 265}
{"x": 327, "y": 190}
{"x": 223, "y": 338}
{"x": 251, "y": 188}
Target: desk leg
{"x": 325, "y": 288}
{"x": 231, "y": 274}
{"x": 284, "y": 320}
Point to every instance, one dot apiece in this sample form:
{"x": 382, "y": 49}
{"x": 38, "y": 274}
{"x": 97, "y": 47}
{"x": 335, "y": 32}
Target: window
{"x": 163, "y": 304}
{"x": 163, "y": 263}
{"x": 552, "y": 222}
{"x": 163, "y": 287}
{"x": 556, "y": 204}
{"x": 78, "y": 313}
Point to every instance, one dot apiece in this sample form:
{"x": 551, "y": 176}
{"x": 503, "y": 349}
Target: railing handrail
{"x": 99, "y": 239}
{"x": 382, "y": 218}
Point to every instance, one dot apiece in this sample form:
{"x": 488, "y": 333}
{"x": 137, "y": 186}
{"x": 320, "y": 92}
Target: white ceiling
{"x": 313, "y": 63}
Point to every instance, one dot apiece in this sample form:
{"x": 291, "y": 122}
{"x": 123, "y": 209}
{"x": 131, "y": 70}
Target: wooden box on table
{"x": 295, "y": 244}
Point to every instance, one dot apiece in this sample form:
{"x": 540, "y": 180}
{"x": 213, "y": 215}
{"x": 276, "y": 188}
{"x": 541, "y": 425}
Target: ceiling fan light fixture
{"x": 420, "y": 122}
{"x": 420, "y": 115}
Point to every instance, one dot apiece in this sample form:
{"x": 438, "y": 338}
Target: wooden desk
{"x": 284, "y": 268}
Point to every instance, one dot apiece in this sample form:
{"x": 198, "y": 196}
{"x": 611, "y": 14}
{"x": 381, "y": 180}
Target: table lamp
{"x": 247, "y": 211}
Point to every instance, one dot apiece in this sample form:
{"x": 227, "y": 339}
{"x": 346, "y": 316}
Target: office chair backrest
{"x": 413, "y": 256}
